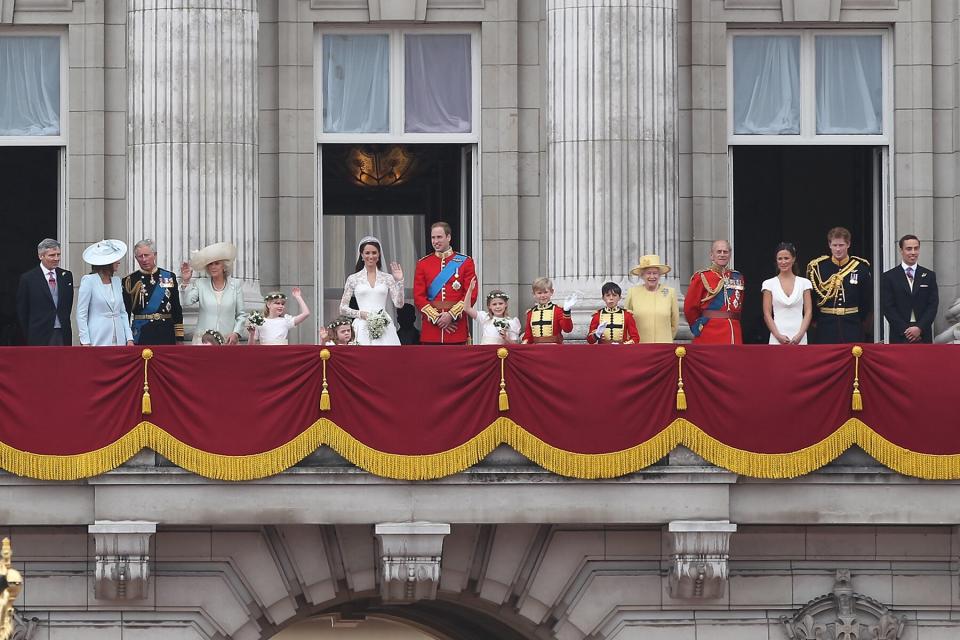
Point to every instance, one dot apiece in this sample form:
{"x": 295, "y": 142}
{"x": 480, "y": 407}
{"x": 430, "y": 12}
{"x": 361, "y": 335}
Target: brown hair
{"x": 103, "y": 269}
{"x": 909, "y": 236}
{"x": 838, "y": 232}
{"x": 443, "y": 225}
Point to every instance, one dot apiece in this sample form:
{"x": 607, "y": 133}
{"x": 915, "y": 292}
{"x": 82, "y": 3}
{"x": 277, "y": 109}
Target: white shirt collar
{"x": 47, "y": 272}
{"x": 908, "y": 266}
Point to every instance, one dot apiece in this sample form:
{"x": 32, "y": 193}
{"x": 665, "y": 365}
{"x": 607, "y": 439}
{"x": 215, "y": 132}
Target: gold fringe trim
{"x": 501, "y": 431}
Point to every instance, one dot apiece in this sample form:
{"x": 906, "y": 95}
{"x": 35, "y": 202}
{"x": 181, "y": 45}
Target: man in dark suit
{"x": 45, "y": 299}
{"x": 909, "y": 296}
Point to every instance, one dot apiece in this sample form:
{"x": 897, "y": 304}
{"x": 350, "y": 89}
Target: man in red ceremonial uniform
{"x": 715, "y": 299}
{"x": 440, "y": 285}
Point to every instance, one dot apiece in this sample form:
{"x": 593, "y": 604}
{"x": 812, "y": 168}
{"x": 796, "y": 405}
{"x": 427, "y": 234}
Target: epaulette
{"x": 424, "y": 257}
{"x": 866, "y": 262}
{"x": 817, "y": 261}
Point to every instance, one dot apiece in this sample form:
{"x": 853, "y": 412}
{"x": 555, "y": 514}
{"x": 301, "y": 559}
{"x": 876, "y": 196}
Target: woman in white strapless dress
{"x": 787, "y": 301}
{"x": 371, "y": 287}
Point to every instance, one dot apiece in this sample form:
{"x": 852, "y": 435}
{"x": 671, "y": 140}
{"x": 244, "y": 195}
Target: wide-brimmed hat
{"x": 211, "y": 253}
{"x": 104, "y": 252}
{"x": 649, "y": 262}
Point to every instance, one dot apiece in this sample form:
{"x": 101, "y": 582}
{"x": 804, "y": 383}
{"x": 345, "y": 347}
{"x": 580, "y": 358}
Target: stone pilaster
{"x": 192, "y": 127}
{"x": 612, "y": 154}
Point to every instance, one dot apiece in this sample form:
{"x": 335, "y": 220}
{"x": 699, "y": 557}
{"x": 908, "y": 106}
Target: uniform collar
{"x": 840, "y": 263}
{"x": 614, "y": 310}
{"x": 149, "y": 273}
{"x": 446, "y": 254}
{"x": 719, "y": 270}
{"x": 544, "y": 306}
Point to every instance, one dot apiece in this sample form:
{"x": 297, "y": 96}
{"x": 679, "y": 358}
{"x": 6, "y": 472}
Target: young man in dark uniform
{"x": 842, "y": 292}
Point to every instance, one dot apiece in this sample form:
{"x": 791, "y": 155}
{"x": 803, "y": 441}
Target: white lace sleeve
{"x": 348, "y": 288}
{"x": 396, "y": 290}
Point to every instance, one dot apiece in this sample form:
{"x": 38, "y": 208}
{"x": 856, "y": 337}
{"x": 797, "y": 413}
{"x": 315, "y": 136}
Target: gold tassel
{"x": 324, "y": 395}
{"x": 856, "y": 403}
{"x": 146, "y": 407}
{"x": 503, "y": 400}
{"x": 681, "y": 394}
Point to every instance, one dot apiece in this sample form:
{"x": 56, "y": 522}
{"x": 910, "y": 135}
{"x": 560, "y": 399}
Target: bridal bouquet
{"x": 501, "y": 324}
{"x": 376, "y": 323}
{"x": 255, "y": 319}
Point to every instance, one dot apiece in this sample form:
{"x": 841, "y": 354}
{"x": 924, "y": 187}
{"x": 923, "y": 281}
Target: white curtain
{"x": 766, "y": 85}
{"x": 438, "y": 84}
{"x": 849, "y": 85}
{"x": 29, "y": 86}
{"x": 402, "y": 239}
{"x": 356, "y": 83}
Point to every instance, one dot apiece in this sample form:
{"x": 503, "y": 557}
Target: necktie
{"x": 910, "y": 274}
{"x": 52, "y": 281}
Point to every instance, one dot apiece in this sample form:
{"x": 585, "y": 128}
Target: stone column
{"x": 192, "y": 174}
{"x": 612, "y": 150}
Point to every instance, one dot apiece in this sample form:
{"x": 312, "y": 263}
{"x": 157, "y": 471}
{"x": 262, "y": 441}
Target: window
{"x": 809, "y": 86}
{"x": 414, "y": 85}
{"x": 30, "y": 87}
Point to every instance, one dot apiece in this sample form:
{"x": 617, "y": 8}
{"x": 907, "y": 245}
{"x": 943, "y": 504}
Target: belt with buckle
{"x": 153, "y": 316}
{"x": 839, "y": 311}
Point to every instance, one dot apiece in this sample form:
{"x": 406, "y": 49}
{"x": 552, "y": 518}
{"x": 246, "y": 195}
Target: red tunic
{"x": 621, "y": 328}
{"x": 450, "y": 298}
{"x": 712, "y": 306}
{"x": 545, "y": 324}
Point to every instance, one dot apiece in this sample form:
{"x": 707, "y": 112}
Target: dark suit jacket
{"x": 35, "y": 306}
{"x": 898, "y": 302}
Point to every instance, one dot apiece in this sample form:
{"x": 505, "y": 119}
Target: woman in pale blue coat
{"x": 220, "y": 297}
{"x": 101, "y": 316}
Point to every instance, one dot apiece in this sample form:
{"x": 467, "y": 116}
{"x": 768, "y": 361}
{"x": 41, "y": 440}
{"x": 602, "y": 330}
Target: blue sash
{"x": 445, "y": 274}
{"x": 716, "y": 304}
{"x": 152, "y": 306}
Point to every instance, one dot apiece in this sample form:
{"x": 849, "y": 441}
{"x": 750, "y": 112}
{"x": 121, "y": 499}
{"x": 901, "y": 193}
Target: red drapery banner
{"x": 426, "y": 412}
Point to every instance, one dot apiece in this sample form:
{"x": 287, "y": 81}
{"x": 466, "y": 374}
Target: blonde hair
{"x": 542, "y": 284}
{"x": 502, "y": 295}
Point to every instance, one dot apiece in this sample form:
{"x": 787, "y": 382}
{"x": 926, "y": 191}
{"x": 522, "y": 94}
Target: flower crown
{"x": 340, "y": 322}
{"x": 274, "y": 295}
{"x": 497, "y": 293}
{"x": 216, "y": 335}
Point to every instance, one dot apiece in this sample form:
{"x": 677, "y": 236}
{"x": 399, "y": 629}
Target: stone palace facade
{"x": 561, "y": 138}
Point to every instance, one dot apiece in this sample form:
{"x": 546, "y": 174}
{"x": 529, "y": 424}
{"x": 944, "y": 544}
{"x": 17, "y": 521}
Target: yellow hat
{"x": 649, "y": 262}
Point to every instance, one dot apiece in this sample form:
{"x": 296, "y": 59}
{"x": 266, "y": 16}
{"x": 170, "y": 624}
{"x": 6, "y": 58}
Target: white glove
{"x": 571, "y": 301}
{"x": 600, "y": 329}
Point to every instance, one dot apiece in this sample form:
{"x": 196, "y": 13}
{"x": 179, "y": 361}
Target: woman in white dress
{"x": 102, "y": 319}
{"x": 787, "y": 301}
{"x": 371, "y": 287}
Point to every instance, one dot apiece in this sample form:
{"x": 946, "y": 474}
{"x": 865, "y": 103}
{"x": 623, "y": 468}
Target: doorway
{"x": 796, "y": 194}
{"x": 29, "y": 182}
{"x": 393, "y": 192}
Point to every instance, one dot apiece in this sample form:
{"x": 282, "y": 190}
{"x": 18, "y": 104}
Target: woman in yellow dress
{"x": 653, "y": 305}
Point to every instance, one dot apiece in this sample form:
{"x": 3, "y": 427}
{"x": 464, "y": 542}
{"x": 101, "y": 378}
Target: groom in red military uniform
{"x": 715, "y": 299}
{"x": 440, "y": 284}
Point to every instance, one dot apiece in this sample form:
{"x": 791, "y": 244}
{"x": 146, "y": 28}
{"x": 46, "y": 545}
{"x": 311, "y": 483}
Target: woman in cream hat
{"x": 653, "y": 305}
{"x": 219, "y": 296}
{"x": 101, "y": 316}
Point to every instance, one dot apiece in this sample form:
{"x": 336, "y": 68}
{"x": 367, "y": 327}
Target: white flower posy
{"x": 255, "y": 319}
{"x": 376, "y": 323}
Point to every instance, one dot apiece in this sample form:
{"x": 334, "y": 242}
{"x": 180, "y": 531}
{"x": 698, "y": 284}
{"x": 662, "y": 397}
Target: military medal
{"x": 456, "y": 285}
{"x": 853, "y": 277}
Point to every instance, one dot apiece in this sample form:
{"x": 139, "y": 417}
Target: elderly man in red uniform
{"x": 440, "y": 284}
{"x": 715, "y": 299}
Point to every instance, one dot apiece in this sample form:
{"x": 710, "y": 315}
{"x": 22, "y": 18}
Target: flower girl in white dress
{"x": 273, "y": 326}
{"x": 496, "y": 327}
{"x": 371, "y": 287}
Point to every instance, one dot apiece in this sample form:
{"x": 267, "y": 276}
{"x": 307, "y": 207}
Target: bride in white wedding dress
{"x": 371, "y": 287}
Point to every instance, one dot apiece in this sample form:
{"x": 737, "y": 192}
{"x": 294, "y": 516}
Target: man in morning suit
{"x": 440, "y": 284}
{"x": 715, "y": 299}
{"x": 152, "y": 298}
{"x": 842, "y": 292}
{"x": 45, "y": 299}
{"x": 909, "y": 296}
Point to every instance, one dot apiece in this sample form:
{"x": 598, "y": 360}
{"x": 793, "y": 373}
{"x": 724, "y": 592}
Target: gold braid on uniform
{"x": 828, "y": 290}
{"x": 711, "y": 293}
